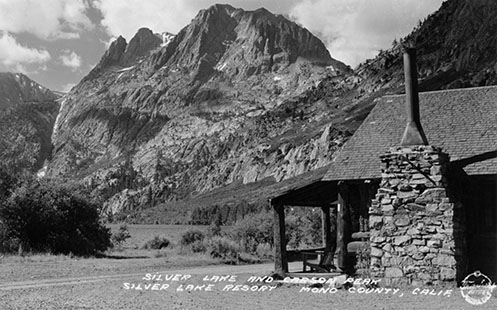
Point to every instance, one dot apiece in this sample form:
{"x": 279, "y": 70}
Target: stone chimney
{"x": 413, "y": 134}
{"x": 416, "y": 225}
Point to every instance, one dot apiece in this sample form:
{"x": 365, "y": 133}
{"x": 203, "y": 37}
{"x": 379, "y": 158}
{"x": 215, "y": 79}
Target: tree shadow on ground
{"x": 120, "y": 256}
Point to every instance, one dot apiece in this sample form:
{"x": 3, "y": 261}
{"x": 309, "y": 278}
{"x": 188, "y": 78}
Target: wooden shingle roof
{"x": 463, "y": 122}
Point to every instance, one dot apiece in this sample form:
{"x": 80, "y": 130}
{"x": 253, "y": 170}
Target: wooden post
{"x": 343, "y": 227}
{"x": 326, "y": 227}
{"x": 280, "y": 259}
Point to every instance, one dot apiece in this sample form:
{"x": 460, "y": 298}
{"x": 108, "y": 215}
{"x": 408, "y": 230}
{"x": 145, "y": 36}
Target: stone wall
{"x": 412, "y": 219}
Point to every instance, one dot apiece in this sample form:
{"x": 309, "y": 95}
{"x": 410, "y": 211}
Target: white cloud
{"x": 15, "y": 56}
{"x": 70, "y": 59}
{"x": 108, "y": 42}
{"x": 66, "y": 88}
{"x": 52, "y": 19}
{"x": 126, "y": 17}
{"x": 355, "y": 30}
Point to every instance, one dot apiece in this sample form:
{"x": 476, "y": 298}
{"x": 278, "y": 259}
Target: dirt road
{"x": 260, "y": 269}
{"x": 210, "y": 287}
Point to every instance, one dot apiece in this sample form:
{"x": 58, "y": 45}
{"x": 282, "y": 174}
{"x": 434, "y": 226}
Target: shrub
{"x": 303, "y": 228}
{"x": 157, "y": 243}
{"x": 121, "y": 236}
{"x": 264, "y": 250}
{"x": 363, "y": 261}
{"x": 7, "y": 183}
{"x": 214, "y": 230}
{"x": 292, "y": 231}
{"x": 198, "y": 246}
{"x": 215, "y": 226}
{"x": 46, "y": 217}
{"x": 193, "y": 239}
{"x": 224, "y": 248}
{"x": 253, "y": 230}
{"x": 190, "y": 236}
{"x": 248, "y": 258}
{"x": 160, "y": 254}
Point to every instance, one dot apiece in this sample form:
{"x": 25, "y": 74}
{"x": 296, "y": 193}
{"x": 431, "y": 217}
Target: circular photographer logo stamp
{"x": 477, "y": 288}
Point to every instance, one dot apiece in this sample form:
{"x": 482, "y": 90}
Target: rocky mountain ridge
{"x": 27, "y": 115}
{"x": 240, "y": 44}
{"x": 215, "y": 106}
{"x": 455, "y": 49}
{"x": 120, "y": 53}
{"x": 17, "y": 88}
{"x": 243, "y": 98}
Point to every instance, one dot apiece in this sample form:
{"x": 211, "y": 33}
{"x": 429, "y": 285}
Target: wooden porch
{"x": 326, "y": 195}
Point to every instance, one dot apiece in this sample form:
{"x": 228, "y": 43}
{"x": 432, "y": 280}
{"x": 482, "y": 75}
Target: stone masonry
{"x": 412, "y": 219}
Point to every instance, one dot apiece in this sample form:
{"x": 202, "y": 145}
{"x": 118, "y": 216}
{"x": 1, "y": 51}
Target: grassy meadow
{"x": 141, "y": 233}
{"x": 129, "y": 258}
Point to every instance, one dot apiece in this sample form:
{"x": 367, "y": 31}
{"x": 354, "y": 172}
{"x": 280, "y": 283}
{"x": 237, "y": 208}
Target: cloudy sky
{"x": 57, "y": 42}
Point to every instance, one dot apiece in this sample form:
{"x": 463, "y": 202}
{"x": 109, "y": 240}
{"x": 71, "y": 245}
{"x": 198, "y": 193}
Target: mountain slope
{"x": 27, "y": 115}
{"x": 456, "y": 48}
{"x": 238, "y": 99}
{"x": 16, "y": 88}
{"x": 219, "y": 104}
{"x": 241, "y": 44}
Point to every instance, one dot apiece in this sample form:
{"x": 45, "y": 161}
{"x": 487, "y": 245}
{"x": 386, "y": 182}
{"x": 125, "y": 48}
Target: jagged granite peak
{"x": 219, "y": 104}
{"x": 17, "y": 88}
{"x": 231, "y": 102}
{"x": 140, "y": 45}
{"x": 222, "y": 38}
{"x": 121, "y": 53}
{"x": 114, "y": 53}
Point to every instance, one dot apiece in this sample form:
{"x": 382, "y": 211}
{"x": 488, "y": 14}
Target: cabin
{"x": 421, "y": 171}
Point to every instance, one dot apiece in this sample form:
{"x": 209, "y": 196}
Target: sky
{"x": 57, "y": 42}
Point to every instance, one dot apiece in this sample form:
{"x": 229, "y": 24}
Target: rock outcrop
{"x": 120, "y": 53}
{"x": 27, "y": 115}
{"x": 17, "y": 88}
{"x": 218, "y": 104}
{"x": 455, "y": 47}
{"x": 241, "y": 44}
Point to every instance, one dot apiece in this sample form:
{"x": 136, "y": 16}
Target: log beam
{"x": 343, "y": 227}
{"x": 280, "y": 258}
{"x": 326, "y": 228}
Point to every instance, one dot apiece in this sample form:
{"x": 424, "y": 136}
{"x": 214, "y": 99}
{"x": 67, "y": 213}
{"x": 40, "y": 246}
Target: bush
{"x": 224, "y": 248}
{"x": 121, "y": 236}
{"x": 7, "y": 183}
{"x": 198, "y": 246}
{"x": 303, "y": 228}
{"x": 254, "y": 230}
{"x": 159, "y": 242}
{"x": 248, "y": 258}
{"x": 363, "y": 261}
{"x": 213, "y": 230}
{"x": 264, "y": 250}
{"x": 46, "y": 217}
{"x": 190, "y": 236}
{"x": 215, "y": 226}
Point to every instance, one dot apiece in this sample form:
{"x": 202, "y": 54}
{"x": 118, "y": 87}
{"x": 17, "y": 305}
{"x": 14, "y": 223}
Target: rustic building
{"x": 425, "y": 178}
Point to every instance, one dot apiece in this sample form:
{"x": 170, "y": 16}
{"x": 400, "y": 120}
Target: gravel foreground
{"x": 218, "y": 287}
